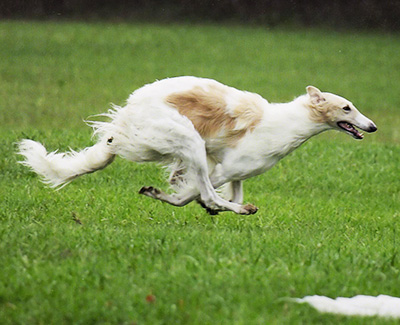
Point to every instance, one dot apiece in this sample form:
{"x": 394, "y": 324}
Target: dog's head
{"x": 338, "y": 113}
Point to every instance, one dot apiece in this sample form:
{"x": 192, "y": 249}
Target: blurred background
{"x": 329, "y": 213}
{"x": 340, "y": 13}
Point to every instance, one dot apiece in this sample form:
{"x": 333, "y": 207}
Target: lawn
{"x": 96, "y": 252}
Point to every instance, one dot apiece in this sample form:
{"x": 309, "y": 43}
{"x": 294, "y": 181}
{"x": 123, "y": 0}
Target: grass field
{"x": 96, "y": 252}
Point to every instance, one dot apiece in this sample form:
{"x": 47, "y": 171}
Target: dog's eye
{"x": 347, "y": 108}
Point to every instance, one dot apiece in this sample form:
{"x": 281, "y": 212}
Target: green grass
{"x": 329, "y": 213}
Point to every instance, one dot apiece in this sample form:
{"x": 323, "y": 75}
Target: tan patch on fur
{"x": 207, "y": 109}
{"x": 322, "y": 112}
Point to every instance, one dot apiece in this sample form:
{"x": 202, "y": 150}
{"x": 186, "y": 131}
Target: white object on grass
{"x": 382, "y": 305}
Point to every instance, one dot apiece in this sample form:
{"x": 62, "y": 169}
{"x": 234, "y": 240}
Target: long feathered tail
{"x": 58, "y": 169}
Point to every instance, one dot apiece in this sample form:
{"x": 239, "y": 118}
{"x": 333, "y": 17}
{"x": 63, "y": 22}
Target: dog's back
{"x": 221, "y": 115}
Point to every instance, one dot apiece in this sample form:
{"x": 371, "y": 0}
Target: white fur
{"x": 148, "y": 129}
{"x": 58, "y": 169}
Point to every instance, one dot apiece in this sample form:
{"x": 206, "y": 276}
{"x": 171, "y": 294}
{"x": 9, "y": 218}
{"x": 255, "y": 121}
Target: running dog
{"x": 207, "y": 134}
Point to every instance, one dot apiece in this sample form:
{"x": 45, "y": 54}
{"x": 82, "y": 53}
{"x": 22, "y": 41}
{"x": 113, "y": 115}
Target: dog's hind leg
{"x": 174, "y": 199}
{"x": 176, "y": 176}
{"x": 213, "y": 207}
{"x": 196, "y": 162}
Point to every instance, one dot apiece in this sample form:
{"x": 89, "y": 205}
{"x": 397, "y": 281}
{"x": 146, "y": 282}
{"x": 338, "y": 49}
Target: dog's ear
{"x": 315, "y": 94}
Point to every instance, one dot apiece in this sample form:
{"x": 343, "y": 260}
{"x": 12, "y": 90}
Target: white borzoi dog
{"x": 208, "y": 135}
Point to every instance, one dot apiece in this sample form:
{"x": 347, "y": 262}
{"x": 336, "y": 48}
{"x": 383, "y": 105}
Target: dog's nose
{"x": 372, "y": 128}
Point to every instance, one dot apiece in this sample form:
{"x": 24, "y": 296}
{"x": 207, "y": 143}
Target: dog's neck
{"x": 286, "y": 126}
{"x": 302, "y": 124}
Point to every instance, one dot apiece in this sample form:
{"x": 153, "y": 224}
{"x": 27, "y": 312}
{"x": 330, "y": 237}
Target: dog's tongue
{"x": 350, "y": 128}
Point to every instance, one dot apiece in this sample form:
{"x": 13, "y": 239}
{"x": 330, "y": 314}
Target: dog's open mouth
{"x": 349, "y": 128}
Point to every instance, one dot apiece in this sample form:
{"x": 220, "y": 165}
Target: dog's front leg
{"x": 235, "y": 188}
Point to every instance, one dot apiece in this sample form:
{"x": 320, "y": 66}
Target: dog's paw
{"x": 149, "y": 191}
{"x": 145, "y": 189}
{"x": 249, "y": 209}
